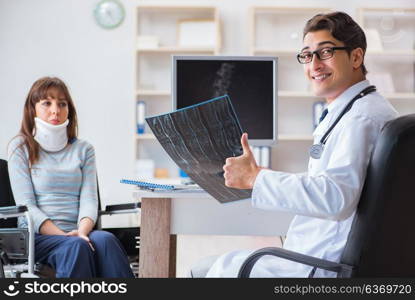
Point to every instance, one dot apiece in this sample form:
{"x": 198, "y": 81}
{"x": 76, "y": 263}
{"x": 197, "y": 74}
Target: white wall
{"x": 60, "y": 38}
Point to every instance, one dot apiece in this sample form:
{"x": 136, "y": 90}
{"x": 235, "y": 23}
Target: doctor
{"x": 325, "y": 198}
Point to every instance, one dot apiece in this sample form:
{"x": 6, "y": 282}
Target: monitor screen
{"x": 250, "y": 82}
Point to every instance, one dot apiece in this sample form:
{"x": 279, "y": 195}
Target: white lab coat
{"x": 325, "y": 198}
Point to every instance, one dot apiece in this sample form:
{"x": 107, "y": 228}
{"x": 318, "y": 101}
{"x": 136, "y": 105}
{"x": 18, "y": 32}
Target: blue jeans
{"x": 72, "y": 257}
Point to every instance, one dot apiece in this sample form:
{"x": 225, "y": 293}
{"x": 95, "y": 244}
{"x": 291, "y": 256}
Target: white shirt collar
{"x": 344, "y": 98}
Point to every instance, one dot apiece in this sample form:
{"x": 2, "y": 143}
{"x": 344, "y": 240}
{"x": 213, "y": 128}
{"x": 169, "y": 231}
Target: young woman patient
{"x": 53, "y": 173}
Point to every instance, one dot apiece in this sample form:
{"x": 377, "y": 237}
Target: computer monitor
{"x": 249, "y": 81}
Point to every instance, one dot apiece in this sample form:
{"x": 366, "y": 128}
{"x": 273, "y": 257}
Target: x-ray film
{"x": 199, "y": 138}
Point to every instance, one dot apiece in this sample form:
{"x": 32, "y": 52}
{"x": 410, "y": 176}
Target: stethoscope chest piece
{"x": 316, "y": 150}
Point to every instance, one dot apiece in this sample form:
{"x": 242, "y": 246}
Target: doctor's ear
{"x": 357, "y": 56}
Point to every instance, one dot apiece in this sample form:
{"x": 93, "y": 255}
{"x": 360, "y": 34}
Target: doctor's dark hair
{"x": 343, "y": 28}
{"x": 38, "y": 91}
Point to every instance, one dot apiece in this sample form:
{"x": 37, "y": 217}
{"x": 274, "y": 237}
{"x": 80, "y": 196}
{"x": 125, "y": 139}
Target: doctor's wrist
{"x": 254, "y": 175}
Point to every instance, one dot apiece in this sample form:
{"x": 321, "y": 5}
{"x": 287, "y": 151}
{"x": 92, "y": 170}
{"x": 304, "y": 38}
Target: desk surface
{"x": 172, "y": 194}
{"x": 166, "y": 214}
{"x": 199, "y": 213}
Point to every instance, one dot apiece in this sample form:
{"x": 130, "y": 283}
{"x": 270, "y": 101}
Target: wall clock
{"x": 109, "y": 13}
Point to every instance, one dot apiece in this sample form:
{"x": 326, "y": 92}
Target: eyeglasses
{"x": 322, "y": 54}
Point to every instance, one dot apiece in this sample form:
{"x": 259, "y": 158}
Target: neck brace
{"x": 50, "y": 137}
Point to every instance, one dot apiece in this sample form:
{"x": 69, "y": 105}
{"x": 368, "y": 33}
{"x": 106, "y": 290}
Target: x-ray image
{"x": 199, "y": 138}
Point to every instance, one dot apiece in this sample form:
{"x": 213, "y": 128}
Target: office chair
{"x": 381, "y": 242}
{"x": 17, "y": 244}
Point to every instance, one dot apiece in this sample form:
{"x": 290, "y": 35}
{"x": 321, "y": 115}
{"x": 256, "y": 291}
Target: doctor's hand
{"x": 241, "y": 171}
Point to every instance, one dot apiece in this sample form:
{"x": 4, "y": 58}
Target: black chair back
{"x": 6, "y": 195}
{"x": 381, "y": 242}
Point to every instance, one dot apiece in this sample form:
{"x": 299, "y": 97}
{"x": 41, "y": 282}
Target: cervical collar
{"x": 50, "y": 137}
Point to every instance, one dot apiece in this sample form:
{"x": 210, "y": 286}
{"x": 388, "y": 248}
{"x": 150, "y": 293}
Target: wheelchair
{"x": 17, "y": 250}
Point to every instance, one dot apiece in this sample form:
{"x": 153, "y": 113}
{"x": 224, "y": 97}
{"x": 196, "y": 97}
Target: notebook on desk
{"x": 199, "y": 138}
{"x": 144, "y": 185}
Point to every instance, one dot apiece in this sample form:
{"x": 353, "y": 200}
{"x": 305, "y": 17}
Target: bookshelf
{"x": 157, "y": 39}
{"x": 271, "y": 31}
{"x": 390, "y": 57}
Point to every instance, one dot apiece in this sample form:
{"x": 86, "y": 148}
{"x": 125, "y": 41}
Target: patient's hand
{"x": 82, "y": 236}
{"x": 241, "y": 171}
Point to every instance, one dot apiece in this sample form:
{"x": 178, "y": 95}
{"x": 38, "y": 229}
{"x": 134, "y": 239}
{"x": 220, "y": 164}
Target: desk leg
{"x": 157, "y": 246}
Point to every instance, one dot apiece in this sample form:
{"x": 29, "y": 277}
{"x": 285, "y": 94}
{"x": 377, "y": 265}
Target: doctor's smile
{"x": 321, "y": 77}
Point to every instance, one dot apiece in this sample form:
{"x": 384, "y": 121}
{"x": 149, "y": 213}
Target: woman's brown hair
{"x": 342, "y": 27}
{"x": 38, "y": 91}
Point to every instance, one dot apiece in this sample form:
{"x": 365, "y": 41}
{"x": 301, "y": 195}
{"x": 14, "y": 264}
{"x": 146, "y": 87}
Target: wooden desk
{"x": 166, "y": 214}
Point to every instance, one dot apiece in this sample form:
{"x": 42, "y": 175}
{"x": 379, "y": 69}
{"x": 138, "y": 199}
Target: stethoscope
{"x": 317, "y": 149}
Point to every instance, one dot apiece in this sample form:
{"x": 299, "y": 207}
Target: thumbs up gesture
{"x": 241, "y": 171}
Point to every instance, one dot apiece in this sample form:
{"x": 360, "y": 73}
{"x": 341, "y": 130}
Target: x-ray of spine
{"x": 223, "y": 79}
{"x": 199, "y": 138}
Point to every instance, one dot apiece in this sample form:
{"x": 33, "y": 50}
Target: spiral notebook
{"x": 160, "y": 187}
{"x": 148, "y": 185}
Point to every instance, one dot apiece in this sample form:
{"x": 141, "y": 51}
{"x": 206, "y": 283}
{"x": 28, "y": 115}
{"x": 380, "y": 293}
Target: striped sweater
{"x": 60, "y": 186}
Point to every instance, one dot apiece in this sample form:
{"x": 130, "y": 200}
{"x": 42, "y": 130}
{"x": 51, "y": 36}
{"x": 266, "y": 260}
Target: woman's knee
{"x": 73, "y": 249}
{"x": 74, "y": 259}
{"x": 78, "y": 244}
{"x": 100, "y": 236}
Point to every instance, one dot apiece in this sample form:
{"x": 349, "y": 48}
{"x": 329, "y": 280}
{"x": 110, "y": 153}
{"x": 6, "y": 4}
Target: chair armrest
{"x": 341, "y": 269}
{"x": 121, "y": 209}
{"x": 12, "y": 211}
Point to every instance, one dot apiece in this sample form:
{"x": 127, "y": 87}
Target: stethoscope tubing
{"x": 319, "y": 147}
